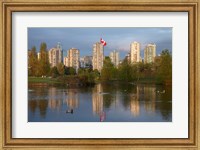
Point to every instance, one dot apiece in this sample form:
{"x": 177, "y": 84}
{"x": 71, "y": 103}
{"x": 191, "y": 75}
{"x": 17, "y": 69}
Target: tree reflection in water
{"x": 103, "y": 102}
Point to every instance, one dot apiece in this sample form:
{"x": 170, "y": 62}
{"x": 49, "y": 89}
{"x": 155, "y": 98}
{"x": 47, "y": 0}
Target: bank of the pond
{"x": 84, "y": 81}
{"x": 153, "y": 81}
{"x": 141, "y": 81}
{"x": 60, "y": 81}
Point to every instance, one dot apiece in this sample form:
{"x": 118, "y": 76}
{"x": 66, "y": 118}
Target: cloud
{"x": 116, "y": 38}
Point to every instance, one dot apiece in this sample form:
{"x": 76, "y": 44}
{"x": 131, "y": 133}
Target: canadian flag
{"x": 103, "y": 42}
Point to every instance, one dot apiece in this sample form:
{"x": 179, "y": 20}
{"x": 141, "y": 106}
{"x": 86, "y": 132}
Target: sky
{"x": 118, "y": 39}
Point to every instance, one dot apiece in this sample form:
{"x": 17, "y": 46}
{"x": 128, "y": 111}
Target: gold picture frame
{"x": 9, "y": 6}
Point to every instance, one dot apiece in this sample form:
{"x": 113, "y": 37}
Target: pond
{"x": 103, "y": 102}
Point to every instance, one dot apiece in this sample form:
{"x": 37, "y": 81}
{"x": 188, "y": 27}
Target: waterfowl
{"x": 70, "y": 111}
{"x": 161, "y": 92}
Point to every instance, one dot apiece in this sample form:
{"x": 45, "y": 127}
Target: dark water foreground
{"x": 109, "y": 102}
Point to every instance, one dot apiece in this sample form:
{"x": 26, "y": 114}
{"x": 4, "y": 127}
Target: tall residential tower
{"x": 150, "y": 53}
{"x": 55, "y": 55}
{"x": 98, "y": 56}
{"x": 135, "y": 52}
{"x": 114, "y": 56}
{"x": 72, "y": 59}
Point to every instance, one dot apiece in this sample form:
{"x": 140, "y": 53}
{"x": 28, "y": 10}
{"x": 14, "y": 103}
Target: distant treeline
{"x": 158, "y": 72}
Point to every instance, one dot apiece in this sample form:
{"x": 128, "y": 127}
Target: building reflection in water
{"x": 117, "y": 99}
{"x": 97, "y": 102}
{"x": 134, "y": 102}
{"x": 72, "y": 99}
{"x": 54, "y": 100}
{"x": 54, "y": 103}
{"x": 146, "y": 94}
{"x": 97, "y": 99}
{"x": 150, "y": 98}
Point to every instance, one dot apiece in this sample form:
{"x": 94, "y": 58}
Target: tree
{"x": 126, "y": 71}
{"x": 107, "y": 72}
{"x": 164, "y": 71}
{"x": 61, "y": 68}
{"x": 81, "y": 71}
{"x": 54, "y": 72}
{"x": 43, "y": 66}
{"x": 148, "y": 70}
{"x": 96, "y": 72}
{"x": 32, "y": 62}
{"x": 72, "y": 71}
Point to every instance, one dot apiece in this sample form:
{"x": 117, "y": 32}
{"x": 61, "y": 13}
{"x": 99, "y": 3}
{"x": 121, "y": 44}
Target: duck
{"x": 161, "y": 92}
{"x": 70, "y": 111}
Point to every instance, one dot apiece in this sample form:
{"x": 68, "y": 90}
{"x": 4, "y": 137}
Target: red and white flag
{"x": 103, "y": 42}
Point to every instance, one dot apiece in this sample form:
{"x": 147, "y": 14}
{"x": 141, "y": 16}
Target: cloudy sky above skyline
{"x": 116, "y": 38}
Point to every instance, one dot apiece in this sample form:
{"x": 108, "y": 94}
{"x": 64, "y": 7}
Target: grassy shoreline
{"x": 42, "y": 80}
{"x": 59, "y": 81}
{"x": 75, "y": 80}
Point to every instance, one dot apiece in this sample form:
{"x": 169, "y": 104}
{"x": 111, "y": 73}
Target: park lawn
{"x": 42, "y": 80}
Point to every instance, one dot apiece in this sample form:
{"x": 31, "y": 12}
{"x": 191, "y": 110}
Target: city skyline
{"x": 116, "y": 38}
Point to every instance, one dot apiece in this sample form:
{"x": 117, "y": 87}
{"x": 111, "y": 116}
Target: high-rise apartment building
{"x": 86, "y": 62}
{"x": 98, "y": 56}
{"x": 38, "y": 55}
{"x": 114, "y": 56}
{"x": 150, "y": 53}
{"x": 135, "y": 52}
{"x": 128, "y": 58}
{"x": 55, "y": 55}
{"x": 82, "y": 64}
{"x": 72, "y": 59}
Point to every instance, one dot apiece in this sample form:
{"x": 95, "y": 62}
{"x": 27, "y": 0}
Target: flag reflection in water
{"x": 101, "y": 102}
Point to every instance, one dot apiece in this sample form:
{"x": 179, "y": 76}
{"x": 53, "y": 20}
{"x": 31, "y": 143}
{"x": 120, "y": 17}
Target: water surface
{"x": 109, "y": 102}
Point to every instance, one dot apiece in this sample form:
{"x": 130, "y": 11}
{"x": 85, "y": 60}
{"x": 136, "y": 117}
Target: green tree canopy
{"x": 43, "y": 66}
{"x": 32, "y": 62}
{"x": 61, "y": 68}
{"x": 107, "y": 72}
{"x": 164, "y": 72}
{"x": 54, "y": 72}
{"x": 127, "y": 71}
{"x": 72, "y": 71}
